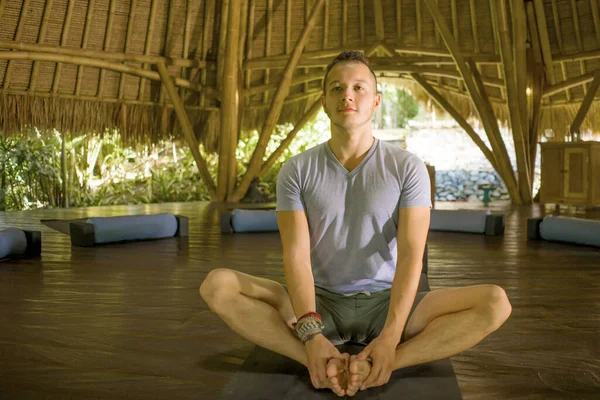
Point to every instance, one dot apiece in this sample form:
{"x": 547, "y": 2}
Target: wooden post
{"x": 276, "y": 105}
{"x": 187, "y": 129}
{"x": 308, "y": 116}
{"x": 488, "y": 119}
{"x": 229, "y": 105}
{"x": 521, "y": 149}
{"x": 446, "y": 106}
{"x": 586, "y": 103}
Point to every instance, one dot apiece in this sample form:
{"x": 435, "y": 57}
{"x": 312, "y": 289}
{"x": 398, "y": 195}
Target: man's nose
{"x": 348, "y": 95}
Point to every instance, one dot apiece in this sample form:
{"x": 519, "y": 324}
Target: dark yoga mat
{"x": 266, "y": 375}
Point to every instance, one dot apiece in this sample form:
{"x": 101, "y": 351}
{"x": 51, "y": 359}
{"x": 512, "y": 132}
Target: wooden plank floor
{"x": 126, "y": 321}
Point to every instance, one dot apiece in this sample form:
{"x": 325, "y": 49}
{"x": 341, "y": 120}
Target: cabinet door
{"x": 576, "y": 166}
{"x": 552, "y": 175}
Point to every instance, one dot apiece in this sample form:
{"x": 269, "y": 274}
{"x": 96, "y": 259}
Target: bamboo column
{"x": 586, "y": 103}
{"x": 480, "y": 100}
{"x": 229, "y": 106}
{"x": 512, "y": 92}
{"x": 276, "y": 105}
{"x": 187, "y": 129}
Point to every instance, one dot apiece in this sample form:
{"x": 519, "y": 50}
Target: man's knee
{"x": 218, "y": 284}
{"x": 497, "y": 306}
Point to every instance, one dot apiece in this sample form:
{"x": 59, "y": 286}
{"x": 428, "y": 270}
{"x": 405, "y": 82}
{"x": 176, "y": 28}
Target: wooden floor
{"x": 126, "y": 321}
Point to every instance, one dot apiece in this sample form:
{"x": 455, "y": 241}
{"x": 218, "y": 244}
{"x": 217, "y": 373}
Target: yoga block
{"x": 103, "y": 230}
{"x": 17, "y": 243}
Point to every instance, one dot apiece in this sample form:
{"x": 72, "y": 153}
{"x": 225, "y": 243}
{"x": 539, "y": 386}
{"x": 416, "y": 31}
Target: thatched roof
{"x": 78, "y": 65}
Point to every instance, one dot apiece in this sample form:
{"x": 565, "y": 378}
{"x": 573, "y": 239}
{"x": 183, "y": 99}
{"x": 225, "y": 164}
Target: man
{"x": 354, "y": 216}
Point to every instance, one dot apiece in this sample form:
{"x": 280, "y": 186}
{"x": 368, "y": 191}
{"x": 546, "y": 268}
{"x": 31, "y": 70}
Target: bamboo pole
{"x": 276, "y": 105}
{"x": 596, "y": 18}
{"x": 63, "y": 41}
{"x": 63, "y": 169}
{"x": 229, "y": 106}
{"x": 344, "y": 22}
{"x": 209, "y": 10}
{"x": 361, "y": 17}
{"x": 474, "y": 26}
{"x": 41, "y": 38}
{"x": 519, "y": 137}
{"x": 542, "y": 29}
{"x": 167, "y": 49}
{"x": 107, "y": 39}
{"x": 578, "y": 37}
{"x": 187, "y": 129}
{"x": 104, "y": 55}
{"x": 325, "y": 24}
{"x": 186, "y": 44}
{"x": 248, "y": 71}
{"x": 418, "y": 17}
{"x": 148, "y": 45}
{"x": 479, "y": 99}
{"x": 269, "y": 18}
{"x": 300, "y": 79}
{"x": 520, "y": 39}
{"x": 17, "y": 38}
{"x": 537, "y": 83}
{"x": 586, "y": 103}
{"x": 308, "y": 116}
{"x": 130, "y": 19}
{"x": 86, "y": 36}
{"x": 398, "y": 21}
{"x": 288, "y": 25}
{"x": 455, "y": 91}
{"x": 446, "y": 106}
{"x": 90, "y": 62}
{"x": 223, "y": 26}
{"x": 559, "y": 40}
{"x": 568, "y": 84}
{"x": 290, "y": 99}
{"x": 379, "y": 28}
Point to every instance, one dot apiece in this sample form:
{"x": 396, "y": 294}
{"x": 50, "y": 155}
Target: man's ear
{"x": 323, "y": 103}
{"x": 377, "y": 101}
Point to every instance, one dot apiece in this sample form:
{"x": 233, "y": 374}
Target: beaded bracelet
{"x": 308, "y": 326}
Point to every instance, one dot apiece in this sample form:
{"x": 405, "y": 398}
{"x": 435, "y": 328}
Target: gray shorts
{"x": 358, "y": 318}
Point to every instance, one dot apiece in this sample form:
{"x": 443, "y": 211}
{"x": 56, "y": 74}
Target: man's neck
{"x": 350, "y": 148}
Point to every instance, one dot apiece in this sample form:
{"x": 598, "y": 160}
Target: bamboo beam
{"x": 568, "y": 84}
{"x": 542, "y": 30}
{"x": 521, "y": 148}
{"x": 537, "y": 83}
{"x": 379, "y": 28}
{"x": 187, "y": 129}
{"x": 187, "y": 35}
{"x": 307, "y": 5}
{"x": 308, "y": 116}
{"x": 586, "y": 103}
{"x": 536, "y": 47}
{"x": 344, "y": 22}
{"x": 418, "y": 17}
{"x": 446, "y": 106}
{"x": 229, "y": 107}
{"x": 578, "y": 36}
{"x": 222, "y": 39}
{"x": 209, "y": 10}
{"x": 63, "y": 41}
{"x": 474, "y": 25}
{"x": 41, "y": 38}
{"x": 454, "y": 20}
{"x": 104, "y": 55}
{"x": 167, "y": 49}
{"x": 325, "y": 24}
{"x": 488, "y": 120}
{"x": 277, "y": 104}
{"x": 361, "y": 11}
{"x": 455, "y": 91}
{"x": 596, "y": 17}
{"x": 269, "y": 17}
{"x": 300, "y": 79}
{"x": 290, "y": 99}
{"x": 106, "y": 46}
{"x": 90, "y": 62}
{"x": 288, "y": 25}
{"x": 398, "y": 20}
{"x": 559, "y": 39}
{"x": 17, "y": 38}
{"x": 131, "y": 18}
{"x": 86, "y": 36}
{"x": 520, "y": 58}
{"x": 148, "y": 45}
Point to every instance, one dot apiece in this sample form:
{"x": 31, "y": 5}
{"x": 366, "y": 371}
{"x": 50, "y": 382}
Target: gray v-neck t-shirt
{"x": 353, "y": 216}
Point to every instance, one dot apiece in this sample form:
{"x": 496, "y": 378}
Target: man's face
{"x": 350, "y": 95}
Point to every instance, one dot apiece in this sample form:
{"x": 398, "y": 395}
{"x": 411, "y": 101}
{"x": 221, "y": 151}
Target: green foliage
{"x": 398, "y": 107}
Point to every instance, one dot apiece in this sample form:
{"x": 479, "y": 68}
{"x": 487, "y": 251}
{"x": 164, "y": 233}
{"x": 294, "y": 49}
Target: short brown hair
{"x": 349, "y": 56}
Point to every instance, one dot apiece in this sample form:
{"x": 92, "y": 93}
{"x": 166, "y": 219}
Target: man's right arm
{"x": 295, "y": 239}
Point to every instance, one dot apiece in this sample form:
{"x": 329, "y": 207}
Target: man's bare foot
{"x": 337, "y": 373}
{"x": 359, "y": 370}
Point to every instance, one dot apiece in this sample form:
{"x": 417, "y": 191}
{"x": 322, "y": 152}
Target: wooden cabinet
{"x": 571, "y": 173}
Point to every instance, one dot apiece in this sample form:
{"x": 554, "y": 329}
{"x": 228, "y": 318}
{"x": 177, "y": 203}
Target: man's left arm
{"x": 413, "y": 226}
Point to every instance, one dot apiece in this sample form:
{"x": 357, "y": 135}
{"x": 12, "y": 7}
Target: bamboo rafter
{"x": 86, "y": 36}
{"x": 18, "y": 33}
{"x": 41, "y": 38}
{"x": 63, "y": 41}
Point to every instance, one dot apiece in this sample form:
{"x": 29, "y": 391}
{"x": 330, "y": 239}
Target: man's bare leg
{"x": 450, "y": 321}
{"x": 447, "y": 322}
{"x": 258, "y": 309}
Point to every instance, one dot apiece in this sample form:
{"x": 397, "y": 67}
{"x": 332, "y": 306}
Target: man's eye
{"x": 336, "y": 89}
{"x": 358, "y": 87}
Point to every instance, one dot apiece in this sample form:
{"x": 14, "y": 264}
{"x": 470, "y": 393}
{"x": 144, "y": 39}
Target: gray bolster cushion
{"x": 133, "y": 227}
{"x": 254, "y": 220}
{"x": 573, "y": 230}
{"x": 13, "y": 242}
